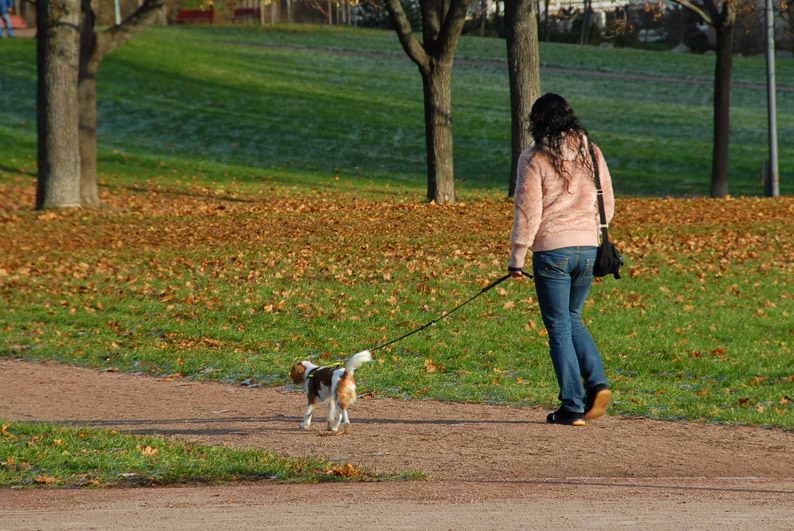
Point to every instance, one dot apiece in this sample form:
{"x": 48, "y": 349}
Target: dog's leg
{"x": 307, "y": 417}
{"x": 331, "y": 413}
{"x": 347, "y": 421}
{"x": 342, "y": 415}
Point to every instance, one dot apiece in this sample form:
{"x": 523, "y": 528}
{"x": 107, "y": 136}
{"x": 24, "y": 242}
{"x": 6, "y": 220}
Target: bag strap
{"x": 600, "y": 193}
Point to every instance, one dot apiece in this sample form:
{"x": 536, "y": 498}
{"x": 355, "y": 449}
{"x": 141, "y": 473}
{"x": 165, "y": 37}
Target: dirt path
{"x": 672, "y": 505}
{"x": 481, "y": 459}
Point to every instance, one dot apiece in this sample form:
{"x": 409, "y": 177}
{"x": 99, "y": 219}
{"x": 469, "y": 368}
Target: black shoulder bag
{"x": 608, "y": 259}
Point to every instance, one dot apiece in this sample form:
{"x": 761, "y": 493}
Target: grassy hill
{"x": 310, "y": 104}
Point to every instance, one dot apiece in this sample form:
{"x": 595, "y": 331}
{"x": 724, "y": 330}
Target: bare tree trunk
{"x": 93, "y": 48}
{"x": 438, "y": 134}
{"x": 722, "y": 17}
{"x": 484, "y": 15}
{"x": 58, "y": 57}
{"x": 722, "y": 112}
{"x": 546, "y": 19}
{"x": 442, "y": 24}
{"x": 89, "y": 191}
{"x": 586, "y": 19}
{"x": 523, "y": 64}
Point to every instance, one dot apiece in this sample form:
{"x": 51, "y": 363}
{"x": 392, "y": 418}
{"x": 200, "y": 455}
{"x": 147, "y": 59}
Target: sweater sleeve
{"x": 606, "y": 185}
{"x": 528, "y": 203}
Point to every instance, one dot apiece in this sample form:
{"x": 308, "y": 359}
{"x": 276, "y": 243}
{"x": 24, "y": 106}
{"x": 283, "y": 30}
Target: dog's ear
{"x": 297, "y": 373}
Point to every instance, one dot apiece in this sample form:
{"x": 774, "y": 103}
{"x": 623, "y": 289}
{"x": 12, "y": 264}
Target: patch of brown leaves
{"x": 148, "y": 234}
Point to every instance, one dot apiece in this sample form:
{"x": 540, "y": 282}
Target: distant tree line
{"x": 640, "y": 24}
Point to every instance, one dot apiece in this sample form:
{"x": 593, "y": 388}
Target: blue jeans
{"x": 7, "y": 23}
{"x": 562, "y": 280}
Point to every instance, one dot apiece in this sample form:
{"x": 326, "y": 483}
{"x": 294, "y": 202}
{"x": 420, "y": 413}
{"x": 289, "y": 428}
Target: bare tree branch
{"x": 115, "y": 36}
{"x": 409, "y": 42}
{"x": 451, "y": 28}
{"x": 692, "y": 7}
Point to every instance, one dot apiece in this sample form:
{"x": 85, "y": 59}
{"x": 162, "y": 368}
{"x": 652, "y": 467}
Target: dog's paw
{"x": 304, "y": 426}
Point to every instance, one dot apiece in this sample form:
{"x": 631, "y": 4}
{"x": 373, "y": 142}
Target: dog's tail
{"x": 358, "y": 360}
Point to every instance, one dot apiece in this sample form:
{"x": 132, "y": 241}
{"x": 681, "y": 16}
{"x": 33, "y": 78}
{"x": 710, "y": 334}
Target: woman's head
{"x": 551, "y": 117}
{"x": 553, "y": 125}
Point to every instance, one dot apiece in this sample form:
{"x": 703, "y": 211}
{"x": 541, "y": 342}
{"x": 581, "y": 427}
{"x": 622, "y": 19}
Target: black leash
{"x": 456, "y": 308}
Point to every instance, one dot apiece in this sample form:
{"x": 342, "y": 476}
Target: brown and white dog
{"x": 334, "y": 385}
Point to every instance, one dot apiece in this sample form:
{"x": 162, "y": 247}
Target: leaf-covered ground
{"x": 237, "y": 283}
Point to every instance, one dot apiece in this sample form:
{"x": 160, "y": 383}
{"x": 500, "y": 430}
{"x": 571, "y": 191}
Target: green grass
{"x": 54, "y": 456}
{"x": 265, "y": 205}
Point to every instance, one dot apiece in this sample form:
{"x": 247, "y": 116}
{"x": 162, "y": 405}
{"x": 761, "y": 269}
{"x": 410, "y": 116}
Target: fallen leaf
{"x": 147, "y": 451}
{"x": 347, "y": 471}
{"x": 47, "y": 216}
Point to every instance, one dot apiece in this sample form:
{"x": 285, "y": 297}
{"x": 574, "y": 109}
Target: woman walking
{"x": 556, "y": 216}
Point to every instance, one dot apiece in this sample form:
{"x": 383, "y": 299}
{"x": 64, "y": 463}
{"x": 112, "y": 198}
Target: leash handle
{"x": 519, "y": 270}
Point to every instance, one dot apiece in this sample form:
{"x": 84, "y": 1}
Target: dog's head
{"x": 298, "y": 373}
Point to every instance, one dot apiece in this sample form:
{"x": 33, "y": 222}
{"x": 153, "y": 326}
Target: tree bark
{"x": 89, "y": 191}
{"x": 483, "y": 16}
{"x": 438, "y": 137}
{"x": 722, "y": 111}
{"x": 723, "y": 19}
{"x": 586, "y": 21}
{"x": 442, "y": 24}
{"x": 93, "y": 48}
{"x": 523, "y": 64}
{"x": 58, "y": 57}
{"x": 546, "y": 19}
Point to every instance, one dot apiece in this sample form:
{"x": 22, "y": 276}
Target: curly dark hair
{"x": 550, "y": 121}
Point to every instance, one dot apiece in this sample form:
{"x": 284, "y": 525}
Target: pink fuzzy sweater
{"x": 550, "y": 216}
